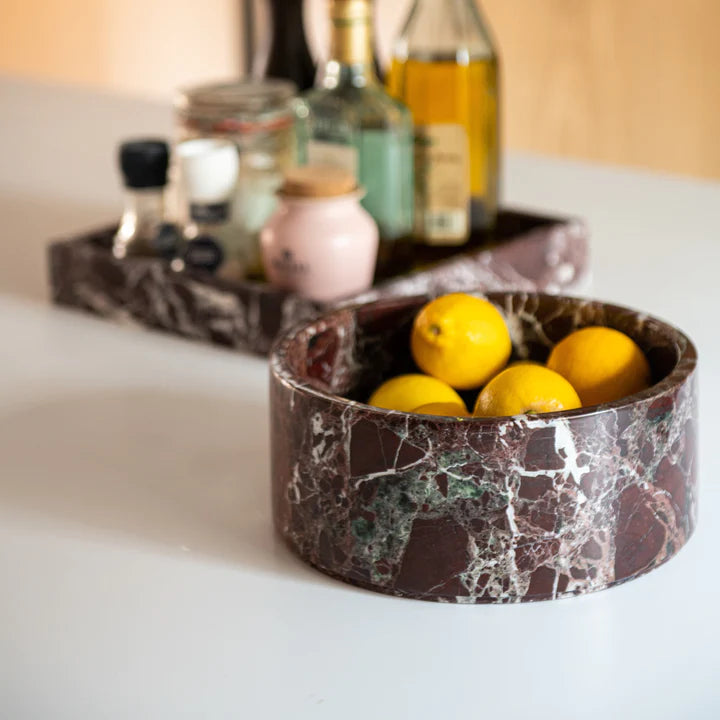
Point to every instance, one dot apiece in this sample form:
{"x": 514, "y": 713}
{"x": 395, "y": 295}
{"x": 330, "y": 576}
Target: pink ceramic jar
{"x": 320, "y": 242}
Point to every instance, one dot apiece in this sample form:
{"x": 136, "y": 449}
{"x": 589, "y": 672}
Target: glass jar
{"x": 258, "y": 117}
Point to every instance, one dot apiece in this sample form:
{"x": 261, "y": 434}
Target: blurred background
{"x": 631, "y": 82}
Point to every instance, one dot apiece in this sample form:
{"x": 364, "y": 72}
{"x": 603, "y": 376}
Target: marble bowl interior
{"x": 347, "y": 354}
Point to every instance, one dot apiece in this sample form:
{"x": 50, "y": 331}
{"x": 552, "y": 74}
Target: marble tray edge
{"x": 552, "y": 256}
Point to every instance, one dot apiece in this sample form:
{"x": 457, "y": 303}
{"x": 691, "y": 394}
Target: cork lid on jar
{"x": 318, "y": 181}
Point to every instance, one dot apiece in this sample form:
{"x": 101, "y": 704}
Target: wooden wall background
{"x": 634, "y": 82}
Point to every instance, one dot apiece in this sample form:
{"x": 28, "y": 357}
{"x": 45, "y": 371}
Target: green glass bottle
{"x": 349, "y": 120}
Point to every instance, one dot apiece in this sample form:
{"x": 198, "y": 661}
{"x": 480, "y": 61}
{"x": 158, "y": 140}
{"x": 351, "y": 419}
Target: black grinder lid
{"x": 144, "y": 163}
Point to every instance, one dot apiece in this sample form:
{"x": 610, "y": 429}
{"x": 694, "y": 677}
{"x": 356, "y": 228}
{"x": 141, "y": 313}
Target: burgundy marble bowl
{"x": 487, "y": 510}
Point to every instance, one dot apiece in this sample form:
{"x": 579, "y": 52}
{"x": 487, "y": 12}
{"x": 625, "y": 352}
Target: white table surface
{"x": 140, "y": 574}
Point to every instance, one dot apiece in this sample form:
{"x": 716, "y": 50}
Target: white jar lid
{"x": 209, "y": 168}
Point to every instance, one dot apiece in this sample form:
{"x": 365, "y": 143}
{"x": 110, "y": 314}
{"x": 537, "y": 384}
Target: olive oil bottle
{"x": 445, "y": 69}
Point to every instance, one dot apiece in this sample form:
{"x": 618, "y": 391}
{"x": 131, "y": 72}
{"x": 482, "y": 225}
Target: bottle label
{"x": 286, "y": 265}
{"x": 320, "y": 152}
{"x": 386, "y": 174}
{"x": 204, "y": 253}
{"x": 210, "y": 214}
{"x": 442, "y": 184}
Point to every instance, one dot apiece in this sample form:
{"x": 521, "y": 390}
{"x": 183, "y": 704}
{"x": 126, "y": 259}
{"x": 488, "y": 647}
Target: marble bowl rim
{"x": 681, "y": 371}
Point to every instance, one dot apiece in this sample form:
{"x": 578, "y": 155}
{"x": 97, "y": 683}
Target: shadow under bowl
{"x": 480, "y": 510}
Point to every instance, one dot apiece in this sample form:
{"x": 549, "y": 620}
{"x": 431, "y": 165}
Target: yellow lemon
{"x": 460, "y": 339}
{"x": 406, "y": 392}
{"x": 526, "y": 389}
{"x": 602, "y": 364}
{"x": 447, "y": 409}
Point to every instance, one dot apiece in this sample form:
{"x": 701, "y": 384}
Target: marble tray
{"x": 529, "y": 252}
{"x": 484, "y": 510}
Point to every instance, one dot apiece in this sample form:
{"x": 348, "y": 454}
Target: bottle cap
{"x": 318, "y": 181}
{"x": 144, "y": 163}
{"x": 352, "y": 9}
{"x": 209, "y": 168}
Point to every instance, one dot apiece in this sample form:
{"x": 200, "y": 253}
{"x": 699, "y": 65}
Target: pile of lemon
{"x": 461, "y": 342}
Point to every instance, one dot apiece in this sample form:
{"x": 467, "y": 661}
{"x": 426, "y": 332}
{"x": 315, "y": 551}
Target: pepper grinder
{"x": 143, "y": 230}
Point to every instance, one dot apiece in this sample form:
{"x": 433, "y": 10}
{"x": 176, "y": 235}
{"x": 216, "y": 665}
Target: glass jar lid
{"x": 244, "y": 106}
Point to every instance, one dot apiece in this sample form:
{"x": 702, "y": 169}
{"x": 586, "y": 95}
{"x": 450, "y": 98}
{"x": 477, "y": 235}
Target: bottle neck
{"x": 287, "y": 20}
{"x": 447, "y": 30}
{"x": 351, "y": 43}
{"x": 285, "y": 14}
{"x": 289, "y": 55}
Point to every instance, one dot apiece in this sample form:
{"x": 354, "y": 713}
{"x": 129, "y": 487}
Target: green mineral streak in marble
{"x": 395, "y": 506}
{"x": 662, "y": 418}
{"x": 452, "y": 463}
{"x": 406, "y": 503}
{"x": 363, "y": 530}
{"x": 401, "y": 496}
{"x": 450, "y": 459}
{"x": 461, "y": 487}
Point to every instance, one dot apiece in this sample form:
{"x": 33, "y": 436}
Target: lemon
{"x": 447, "y": 409}
{"x": 602, "y": 364}
{"x": 526, "y": 389}
{"x": 406, "y": 392}
{"x": 460, "y": 339}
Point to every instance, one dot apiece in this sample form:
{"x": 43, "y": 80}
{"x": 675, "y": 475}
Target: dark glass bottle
{"x": 290, "y": 57}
